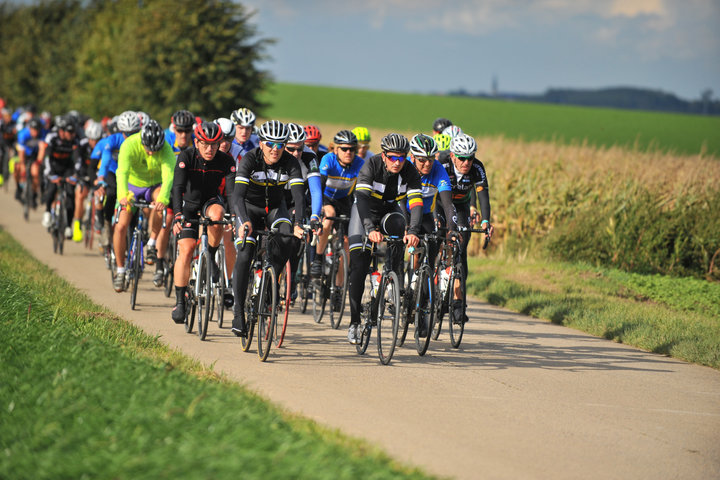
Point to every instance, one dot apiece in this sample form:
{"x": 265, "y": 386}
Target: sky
{"x": 528, "y": 46}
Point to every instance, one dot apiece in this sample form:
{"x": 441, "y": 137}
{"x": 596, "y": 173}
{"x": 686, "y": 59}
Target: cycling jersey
{"x": 28, "y": 143}
{"x": 85, "y": 165}
{"x": 437, "y": 184}
{"x": 110, "y": 151}
{"x": 339, "y": 181}
{"x": 60, "y": 155}
{"x": 138, "y": 168}
{"x": 238, "y": 150}
{"x": 464, "y": 185}
{"x": 196, "y": 181}
{"x": 262, "y": 185}
{"x": 377, "y": 187}
{"x": 171, "y": 138}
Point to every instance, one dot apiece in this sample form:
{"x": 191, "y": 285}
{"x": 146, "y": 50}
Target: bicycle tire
{"x": 319, "y": 298}
{"x": 456, "y": 326}
{"x": 442, "y": 298}
{"x": 27, "y": 196}
{"x": 284, "y": 284}
{"x": 202, "y": 294}
{"x": 250, "y": 312}
{"x": 424, "y": 309}
{"x": 267, "y": 311}
{"x": 136, "y": 266}
{"x": 170, "y": 255}
{"x": 387, "y": 326}
{"x": 190, "y": 307}
{"x": 340, "y": 258}
{"x": 89, "y": 235}
{"x": 219, "y": 287}
{"x": 405, "y": 317}
{"x": 303, "y": 282}
{"x": 62, "y": 223}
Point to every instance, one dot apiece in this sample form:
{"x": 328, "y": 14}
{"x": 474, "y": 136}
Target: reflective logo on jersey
{"x": 181, "y": 164}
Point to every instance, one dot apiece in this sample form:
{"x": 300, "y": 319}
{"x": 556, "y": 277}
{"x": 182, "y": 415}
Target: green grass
{"x": 689, "y": 134}
{"x": 85, "y": 394}
{"x": 679, "y": 317}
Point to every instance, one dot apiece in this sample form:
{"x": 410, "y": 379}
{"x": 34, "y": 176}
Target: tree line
{"x": 104, "y": 57}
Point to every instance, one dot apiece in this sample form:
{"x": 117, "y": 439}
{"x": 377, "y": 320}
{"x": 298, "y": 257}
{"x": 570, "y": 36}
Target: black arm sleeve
{"x": 179, "y": 187}
{"x": 484, "y": 199}
{"x": 449, "y": 209}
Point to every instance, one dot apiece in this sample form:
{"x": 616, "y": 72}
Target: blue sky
{"x": 433, "y": 46}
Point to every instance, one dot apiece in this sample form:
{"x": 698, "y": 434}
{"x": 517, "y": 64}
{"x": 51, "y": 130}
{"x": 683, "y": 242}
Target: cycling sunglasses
{"x": 277, "y": 145}
{"x": 348, "y": 149}
{"x": 293, "y": 149}
{"x": 463, "y": 159}
{"x": 393, "y": 158}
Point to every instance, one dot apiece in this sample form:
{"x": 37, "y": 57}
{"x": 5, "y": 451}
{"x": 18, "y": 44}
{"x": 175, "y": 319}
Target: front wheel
{"x": 267, "y": 311}
{"x": 221, "y": 286}
{"x": 456, "y": 326}
{"x": 424, "y": 309}
{"x": 388, "y": 316}
{"x": 338, "y": 293}
{"x": 136, "y": 266}
{"x": 284, "y": 297}
{"x": 251, "y": 307}
{"x": 203, "y": 294}
{"x": 319, "y": 298}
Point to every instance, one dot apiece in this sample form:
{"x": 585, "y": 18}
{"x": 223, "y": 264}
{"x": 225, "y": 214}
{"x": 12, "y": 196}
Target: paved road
{"x": 521, "y": 398}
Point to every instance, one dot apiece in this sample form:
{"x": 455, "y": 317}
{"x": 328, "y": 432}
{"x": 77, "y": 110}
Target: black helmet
{"x": 209, "y": 132}
{"x": 394, "y": 142}
{"x": 345, "y": 137}
{"x": 441, "y": 124}
{"x": 35, "y": 123}
{"x": 183, "y": 120}
{"x": 153, "y": 136}
{"x": 69, "y": 124}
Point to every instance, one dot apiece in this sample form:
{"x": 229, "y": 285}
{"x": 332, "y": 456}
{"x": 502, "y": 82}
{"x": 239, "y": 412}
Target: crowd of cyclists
{"x": 273, "y": 175}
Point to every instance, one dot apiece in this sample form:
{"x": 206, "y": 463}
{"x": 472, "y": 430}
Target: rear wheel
{"x": 170, "y": 254}
{"x": 319, "y": 298}
{"x": 219, "y": 287}
{"x": 424, "y": 309}
{"x": 62, "y": 223}
{"x": 267, "y": 311}
{"x": 442, "y": 299}
{"x": 338, "y": 293}
{"x": 191, "y": 306}
{"x": 136, "y": 266}
{"x": 251, "y": 308}
{"x": 388, "y": 316}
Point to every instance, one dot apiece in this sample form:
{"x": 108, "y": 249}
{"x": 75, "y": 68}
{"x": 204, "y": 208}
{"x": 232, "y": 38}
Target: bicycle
{"x": 203, "y": 298}
{"x": 93, "y": 205}
{"x": 28, "y": 192}
{"x": 327, "y": 286}
{"x": 382, "y": 309}
{"x": 59, "y": 213}
{"x": 169, "y": 265}
{"x": 261, "y": 300}
{"x": 302, "y": 276}
{"x": 420, "y": 295}
{"x": 448, "y": 270}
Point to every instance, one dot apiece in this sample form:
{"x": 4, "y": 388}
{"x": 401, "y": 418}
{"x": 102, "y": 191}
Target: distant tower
{"x": 494, "y": 87}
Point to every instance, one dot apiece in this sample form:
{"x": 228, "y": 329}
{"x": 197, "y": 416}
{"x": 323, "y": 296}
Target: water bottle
{"x": 328, "y": 262}
{"x": 375, "y": 282}
{"x": 256, "y": 281}
{"x": 444, "y": 279}
{"x": 413, "y": 280}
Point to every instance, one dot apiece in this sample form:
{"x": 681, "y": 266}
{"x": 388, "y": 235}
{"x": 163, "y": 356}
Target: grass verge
{"x": 679, "y": 317}
{"x": 87, "y": 395}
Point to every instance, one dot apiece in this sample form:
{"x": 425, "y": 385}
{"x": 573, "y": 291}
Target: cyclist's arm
{"x": 242, "y": 180}
{"x": 297, "y": 189}
{"x": 481, "y": 187}
{"x": 363, "y": 190}
{"x": 123, "y": 170}
{"x": 449, "y": 208}
{"x": 167, "y": 170}
{"x": 179, "y": 186}
{"x": 415, "y": 201}
{"x": 315, "y": 184}
{"x": 230, "y": 182}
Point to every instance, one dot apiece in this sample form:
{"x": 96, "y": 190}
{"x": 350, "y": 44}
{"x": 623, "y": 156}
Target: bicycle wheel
{"x": 203, "y": 295}
{"x": 190, "y": 307}
{"x": 170, "y": 254}
{"x": 284, "y": 284}
{"x": 267, "y": 311}
{"x": 136, "y": 265}
{"x": 62, "y": 223}
{"x": 338, "y": 293}
{"x": 424, "y": 308}
{"x": 442, "y": 297}
{"x": 456, "y": 326}
{"x": 27, "y": 196}
{"x": 319, "y": 298}
{"x": 388, "y": 316}
{"x": 405, "y": 314}
{"x": 251, "y": 309}
{"x": 303, "y": 281}
{"x": 219, "y": 287}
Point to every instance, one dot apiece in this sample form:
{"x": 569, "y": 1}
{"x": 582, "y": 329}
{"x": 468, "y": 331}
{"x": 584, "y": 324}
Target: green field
{"x": 688, "y": 134}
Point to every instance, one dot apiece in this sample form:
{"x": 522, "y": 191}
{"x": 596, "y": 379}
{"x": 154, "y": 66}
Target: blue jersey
{"x": 434, "y": 182}
{"x": 109, "y": 154}
{"x": 339, "y": 181}
{"x": 171, "y": 138}
{"x": 237, "y": 151}
{"x": 26, "y": 142}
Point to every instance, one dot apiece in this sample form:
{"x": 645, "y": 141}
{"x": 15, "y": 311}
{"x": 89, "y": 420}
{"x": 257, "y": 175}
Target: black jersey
{"x": 196, "y": 181}
{"x": 262, "y": 185}
{"x": 466, "y": 187}
{"x": 60, "y": 155}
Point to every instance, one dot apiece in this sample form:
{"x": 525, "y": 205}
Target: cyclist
{"x": 339, "y": 171}
{"x": 146, "y": 165}
{"x": 312, "y": 141}
{"x": 245, "y": 139}
{"x": 7, "y": 141}
{"x": 313, "y": 186}
{"x": 86, "y": 168}
{"x": 128, "y": 123}
{"x": 363, "y": 137}
{"x": 258, "y": 202}
{"x": 28, "y": 146}
{"x": 469, "y": 188}
{"x": 199, "y": 175}
{"x": 440, "y": 124}
{"x": 384, "y": 182}
{"x": 179, "y": 134}
{"x": 59, "y": 150}
{"x": 443, "y": 143}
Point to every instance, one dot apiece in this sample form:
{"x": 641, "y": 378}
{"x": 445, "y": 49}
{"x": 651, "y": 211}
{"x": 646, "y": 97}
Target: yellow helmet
{"x": 362, "y": 134}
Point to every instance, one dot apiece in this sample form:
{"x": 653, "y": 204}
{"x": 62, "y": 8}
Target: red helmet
{"x": 312, "y": 133}
{"x": 208, "y": 132}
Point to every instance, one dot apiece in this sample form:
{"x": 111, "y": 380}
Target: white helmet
{"x": 274, "y": 131}
{"x": 227, "y": 127}
{"x": 452, "y": 131}
{"x": 243, "y": 117}
{"x": 93, "y": 130}
{"x": 144, "y": 118}
{"x": 128, "y": 122}
{"x": 463, "y": 145}
{"x": 297, "y": 133}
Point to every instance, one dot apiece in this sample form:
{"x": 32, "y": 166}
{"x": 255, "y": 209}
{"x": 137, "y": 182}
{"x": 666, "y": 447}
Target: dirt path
{"x": 521, "y": 398}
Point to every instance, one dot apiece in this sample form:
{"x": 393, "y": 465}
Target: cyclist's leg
{"x": 394, "y": 223}
{"x": 215, "y": 210}
{"x": 120, "y": 237}
{"x": 241, "y": 272}
{"x": 283, "y": 245}
{"x": 328, "y": 211}
{"x": 359, "y": 264}
{"x": 80, "y": 193}
{"x": 463, "y": 219}
{"x": 186, "y": 246}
